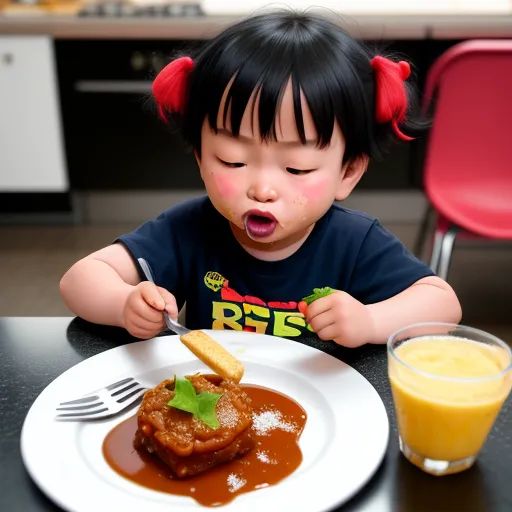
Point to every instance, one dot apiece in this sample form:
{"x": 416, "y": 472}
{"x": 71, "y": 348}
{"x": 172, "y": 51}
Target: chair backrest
{"x": 471, "y": 137}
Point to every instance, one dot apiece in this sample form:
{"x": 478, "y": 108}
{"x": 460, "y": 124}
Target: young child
{"x": 283, "y": 111}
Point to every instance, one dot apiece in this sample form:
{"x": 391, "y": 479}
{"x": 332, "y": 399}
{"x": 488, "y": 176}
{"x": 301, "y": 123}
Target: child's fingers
{"x": 151, "y": 295}
{"x": 147, "y": 325}
{"x": 144, "y": 332}
{"x": 329, "y": 332}
{"x": 170, "y": 302}
{"x": 322, "y": 320}
{"x": 318, "y": 307}
{"x": 146, "y": 313}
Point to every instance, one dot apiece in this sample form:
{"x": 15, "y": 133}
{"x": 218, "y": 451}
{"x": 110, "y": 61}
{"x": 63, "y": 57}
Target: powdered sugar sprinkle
{"x": 263, "y": 457}
{"x": 269, "y": 420}
{"x": 228, "y": 416}
{"x": 235, "y": 482}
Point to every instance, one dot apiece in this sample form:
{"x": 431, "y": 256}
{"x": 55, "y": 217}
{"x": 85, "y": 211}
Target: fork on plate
{"x": 103, "y": 403}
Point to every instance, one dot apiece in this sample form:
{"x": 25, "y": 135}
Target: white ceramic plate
{"x": 343, "y": 443}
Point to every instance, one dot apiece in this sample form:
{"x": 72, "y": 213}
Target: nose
{"x": 261, "y": 190}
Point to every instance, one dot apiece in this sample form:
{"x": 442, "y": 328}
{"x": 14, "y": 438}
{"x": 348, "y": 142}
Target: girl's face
{"x": 273, "y": 193}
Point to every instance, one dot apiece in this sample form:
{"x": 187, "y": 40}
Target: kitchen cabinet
{"x": 32, "y": 158}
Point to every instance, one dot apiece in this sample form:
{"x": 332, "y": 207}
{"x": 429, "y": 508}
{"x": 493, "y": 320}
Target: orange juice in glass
{"x": 449, "y": 383}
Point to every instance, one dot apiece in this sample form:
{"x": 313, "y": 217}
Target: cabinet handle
{"x": 7, "y": 59}
{"x": 113, "y": 86}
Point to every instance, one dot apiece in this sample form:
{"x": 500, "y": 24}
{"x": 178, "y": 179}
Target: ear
{"x": 350, "y": 175}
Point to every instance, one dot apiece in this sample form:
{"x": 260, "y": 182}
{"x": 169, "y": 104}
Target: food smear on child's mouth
{"x": 270, "y": 453}
{"x": 259, "y": 224}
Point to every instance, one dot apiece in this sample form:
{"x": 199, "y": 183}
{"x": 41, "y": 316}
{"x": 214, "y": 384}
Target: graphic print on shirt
{"x": 233, "y": 311}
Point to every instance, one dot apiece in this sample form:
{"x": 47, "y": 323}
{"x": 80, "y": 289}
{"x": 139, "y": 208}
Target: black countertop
{"x": 34, "y": 351}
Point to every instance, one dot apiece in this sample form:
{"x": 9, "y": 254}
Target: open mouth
{"x": 259, "y": 224}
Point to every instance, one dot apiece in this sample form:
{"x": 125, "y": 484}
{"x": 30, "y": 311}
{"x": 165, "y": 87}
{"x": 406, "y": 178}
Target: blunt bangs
{"x": 259, "y": 56}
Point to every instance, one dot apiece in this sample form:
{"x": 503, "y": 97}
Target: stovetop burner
{"x": 116, "y": 9}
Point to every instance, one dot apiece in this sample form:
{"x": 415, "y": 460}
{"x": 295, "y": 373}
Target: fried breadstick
{"x": 213, "y": 355}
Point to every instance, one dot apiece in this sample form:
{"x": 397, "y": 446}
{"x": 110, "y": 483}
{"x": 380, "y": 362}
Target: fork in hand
{"x": 119, "y": 395}
{"x": 171, "y": 324}
{"x": 103, "y": 403}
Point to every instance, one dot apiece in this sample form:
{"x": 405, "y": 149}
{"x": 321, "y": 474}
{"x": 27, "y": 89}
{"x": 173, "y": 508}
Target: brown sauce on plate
{"x": 278, "y": 422}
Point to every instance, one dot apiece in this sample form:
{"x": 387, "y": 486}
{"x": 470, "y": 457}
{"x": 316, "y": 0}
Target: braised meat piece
{"x": 182, "y": 441}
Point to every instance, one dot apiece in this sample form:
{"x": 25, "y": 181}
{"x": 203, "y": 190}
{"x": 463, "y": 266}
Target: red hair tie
{"x": 390, "y": 93}
{"x": 170, "y": 86}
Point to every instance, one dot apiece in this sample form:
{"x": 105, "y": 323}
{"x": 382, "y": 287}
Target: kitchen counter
{"x": 369, "y": 22}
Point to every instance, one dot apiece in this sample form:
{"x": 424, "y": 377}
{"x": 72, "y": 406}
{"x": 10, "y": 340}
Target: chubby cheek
{"x": 223, "y": 184}
{"x": 315, "y": 192}
{"x": 310, "y": 200}
{"x": 223, "y": 192}
{"x": 219, "y": 183}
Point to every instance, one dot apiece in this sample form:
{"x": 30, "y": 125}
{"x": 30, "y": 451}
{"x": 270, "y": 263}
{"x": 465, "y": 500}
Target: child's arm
{"x": 97, "y": 286}
{"x": 428, "y": 300}
{"x": 348, "y": 322}
{"x": 105, "y": 288}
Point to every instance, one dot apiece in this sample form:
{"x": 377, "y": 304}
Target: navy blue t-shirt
{"x": 194, "y": 254}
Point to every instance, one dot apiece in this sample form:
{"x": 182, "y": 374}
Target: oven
{"x": 114, "y": 139}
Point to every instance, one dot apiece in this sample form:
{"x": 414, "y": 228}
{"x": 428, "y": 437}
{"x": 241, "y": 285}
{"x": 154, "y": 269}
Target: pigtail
{"x": 170, "y": 87}
{"x": 391, "y": 93}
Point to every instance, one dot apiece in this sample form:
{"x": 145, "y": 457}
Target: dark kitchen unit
{"x": 113, "y": 137}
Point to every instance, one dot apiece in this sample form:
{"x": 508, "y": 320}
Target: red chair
{"x": 468, "y": 165}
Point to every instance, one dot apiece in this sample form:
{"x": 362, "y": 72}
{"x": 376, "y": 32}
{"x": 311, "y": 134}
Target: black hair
{"x": 260, "y": 55}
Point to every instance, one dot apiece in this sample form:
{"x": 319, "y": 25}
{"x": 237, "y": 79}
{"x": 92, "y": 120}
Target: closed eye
{"x": 299, "y": 172}
{"x": 231, "y": 164}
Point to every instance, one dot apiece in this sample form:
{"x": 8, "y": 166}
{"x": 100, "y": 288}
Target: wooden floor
{"x": 33, "y": 259}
